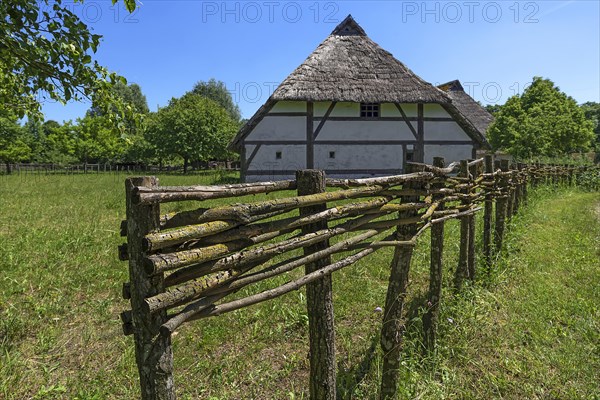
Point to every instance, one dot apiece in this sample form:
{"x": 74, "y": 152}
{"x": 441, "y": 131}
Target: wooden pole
{"x": 394, "y": 326}
{"x": 501, "y": 208}
{"x": 319, "y": 298}
{"x": 510, "y": 188}
{"x": 153, "y": 351}
{"x": 487, "y": 218}
{"x": 474, "y": 170}
{"x": 435, "y": 273}
{"x": 462, "y": 269}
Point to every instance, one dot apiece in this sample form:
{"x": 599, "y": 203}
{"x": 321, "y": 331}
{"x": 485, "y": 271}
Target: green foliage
{"x": 493, "y": 108}
{"x": 131, "y": 95}
{"x": 98, "y": 141}
{"x": 589, "y": 180}
{"x": 192, "y": 127}
{"x": 46, "y": 52}
{"x": 59, "y": 143}
{"x": 591, "y": 110}
{"x": 14, "y": 141}
{"x": 216, "y": 90}
{"x": 543, "y": 121}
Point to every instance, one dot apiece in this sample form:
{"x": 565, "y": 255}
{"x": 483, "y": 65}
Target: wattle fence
{"x": 187, "y": 265}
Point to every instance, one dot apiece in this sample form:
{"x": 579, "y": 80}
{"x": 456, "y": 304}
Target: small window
{"x": 332, "y": 154}
{"x": 410, "y": 154}
{"x": 278, "y": 155}
{"x": 369, "y": 110}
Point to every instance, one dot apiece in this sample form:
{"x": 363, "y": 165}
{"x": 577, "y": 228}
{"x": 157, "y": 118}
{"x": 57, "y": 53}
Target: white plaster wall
{"x": 279, "y": 128}
{"x": 390, "y": 110}
{"x": 442, "y": 130}
{"x": 293, "y": 157}
{"x": 358, "y": 157}
{"x": 268, "y": 178}
{"x": 435, "y": 110}
{"x": 288, "y": 106}
{"x": 320, "y": 108}
{"x": 343, "y": 109}
{"x": 449, "y": 152}
{"x": 365, "y": 130}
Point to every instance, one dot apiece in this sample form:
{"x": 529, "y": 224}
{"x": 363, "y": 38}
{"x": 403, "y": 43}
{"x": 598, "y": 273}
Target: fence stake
{"x": 435, "y": 273}
{"x": 319, "y": 298}
{"x": 462, "y": 269}
{"x": 501, "y": 208}
{"x": 487, "y": 219}
{"x": 475, "y": 171}
{"x": 153, "y": 351}
{"x": 393, "y": 326}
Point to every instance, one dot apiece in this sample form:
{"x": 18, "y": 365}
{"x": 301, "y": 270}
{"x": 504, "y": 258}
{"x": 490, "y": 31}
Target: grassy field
{"x": 530, "y": 331}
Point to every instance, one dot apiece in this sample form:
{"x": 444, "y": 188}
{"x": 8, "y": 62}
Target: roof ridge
{"x": 349, "y": 27}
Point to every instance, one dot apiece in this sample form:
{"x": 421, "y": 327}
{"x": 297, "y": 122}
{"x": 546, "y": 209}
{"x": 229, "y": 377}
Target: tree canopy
{"x": 46, "y": 53}
{"x": 591, "y": 110}
{"x": 193, "y": 127}
{"x": 542, "y": 121}
{"x": 216, "y": 91}
{"x": 14, "y": 146}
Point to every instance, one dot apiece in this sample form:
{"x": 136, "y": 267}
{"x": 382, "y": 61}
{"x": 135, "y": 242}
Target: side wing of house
{"x": 346, "y": 141}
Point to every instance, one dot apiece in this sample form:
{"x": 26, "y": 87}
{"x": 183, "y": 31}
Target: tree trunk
{"x": 185, "y": 165}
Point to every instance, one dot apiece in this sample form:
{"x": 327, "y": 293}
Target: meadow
{"x": 529, "y": 330}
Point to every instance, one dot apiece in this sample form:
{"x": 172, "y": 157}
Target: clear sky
{"x": 493, "y": 47}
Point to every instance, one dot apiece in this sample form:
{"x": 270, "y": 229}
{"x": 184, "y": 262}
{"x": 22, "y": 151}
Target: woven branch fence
{"x": 186, "y": 265}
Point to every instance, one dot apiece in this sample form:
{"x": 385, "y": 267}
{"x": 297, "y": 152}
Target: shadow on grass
{"x": 348, "y": 380}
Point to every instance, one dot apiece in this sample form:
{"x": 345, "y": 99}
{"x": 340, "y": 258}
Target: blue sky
{"x": 493, "y": 47}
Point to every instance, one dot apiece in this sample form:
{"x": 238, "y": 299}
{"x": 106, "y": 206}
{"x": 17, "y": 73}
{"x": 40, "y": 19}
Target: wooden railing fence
{"x": 185, "y": 265}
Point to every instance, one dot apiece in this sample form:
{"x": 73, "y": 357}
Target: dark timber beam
{"x": 420, "y": 153}
{"x": 405, "y": 118}
{"x": 310, "y": 142}
{"x": 325, "y": 117}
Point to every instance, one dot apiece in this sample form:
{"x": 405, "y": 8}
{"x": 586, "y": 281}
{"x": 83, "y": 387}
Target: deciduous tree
{"x": 192, "y": 127}
{"x": 543, "y": 121}
{"x": 217, "y": 91}
{"x": 46, "y": 51}
{"x": 13, "y": 141}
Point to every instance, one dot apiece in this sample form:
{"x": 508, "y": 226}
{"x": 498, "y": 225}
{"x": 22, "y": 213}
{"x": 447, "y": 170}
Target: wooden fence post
{"x": 462, "y": 269}
{"x": 153, "y": 352}
{"x": 501, "y": 207}
{"x": 487, "y": 218}
{"x": 516, "y": 185}
{"x": 394, "y": 325}
{"x": 510, "y": 188}
{"x": 475, "y": 171}
{"x": 526, "y": 180}
{"x": 430, "y": 318}
{"x": 517, "y": 196}
{"x": 319, "y": 298}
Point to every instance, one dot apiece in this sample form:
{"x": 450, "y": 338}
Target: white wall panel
{"x": 441, "y": 130}
{"x": 358, "y": 157}
{"x": 365, "y": 130}
{"x": 279, "y": 128}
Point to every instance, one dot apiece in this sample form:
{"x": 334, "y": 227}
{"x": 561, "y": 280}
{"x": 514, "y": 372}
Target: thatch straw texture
{"x": 468, "y": 107}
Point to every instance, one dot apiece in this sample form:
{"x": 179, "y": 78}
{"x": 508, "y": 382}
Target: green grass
{"x": 533, "y": 333}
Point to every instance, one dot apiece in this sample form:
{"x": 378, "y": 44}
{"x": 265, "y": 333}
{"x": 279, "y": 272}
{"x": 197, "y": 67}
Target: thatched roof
{"x": 349, "y": 67}
{"x": 468, "y": 107}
